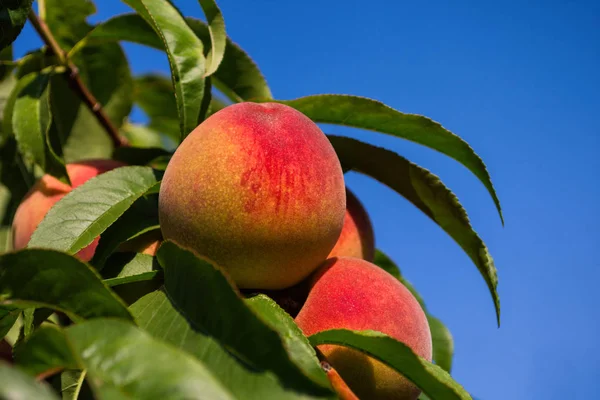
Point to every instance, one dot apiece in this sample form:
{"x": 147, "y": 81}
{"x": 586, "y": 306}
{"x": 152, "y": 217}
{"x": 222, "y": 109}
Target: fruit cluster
{"x": 257, "y": 189}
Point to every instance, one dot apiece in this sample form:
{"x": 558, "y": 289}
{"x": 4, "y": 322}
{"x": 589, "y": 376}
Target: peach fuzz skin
{"x": 147, "y": 243}
{"x": 357, "y": 238}
{"x": 258, "y": 190}
{"x": 349, "y": 293}
{"x": 48, "y": 191}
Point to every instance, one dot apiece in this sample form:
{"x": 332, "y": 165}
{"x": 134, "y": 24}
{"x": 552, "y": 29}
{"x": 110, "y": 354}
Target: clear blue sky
{"x": 520, "y": 83}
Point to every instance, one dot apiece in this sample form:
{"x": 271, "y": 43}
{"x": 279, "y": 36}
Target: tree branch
{"x": 75, "y": 81}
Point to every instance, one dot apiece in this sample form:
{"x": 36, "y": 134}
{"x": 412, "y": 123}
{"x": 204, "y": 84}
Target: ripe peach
{"x": 258, "y": 190}
{"x": 357, "y": 238}
{"x": 146, "y": 243}
{"x": 349, "y": 293}
{"x": 49, "y": 190}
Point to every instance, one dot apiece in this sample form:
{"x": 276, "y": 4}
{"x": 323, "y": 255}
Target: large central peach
{"x": 258, "y": 190}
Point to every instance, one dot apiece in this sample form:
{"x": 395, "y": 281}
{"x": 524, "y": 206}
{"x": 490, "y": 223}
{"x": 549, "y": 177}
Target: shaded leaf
{"x": 115, "y": 356}
{"x": 6, "y": 87}
{"x": 140, "y": 268}
{"x": 425, "y": 191}
{"x": 190, "y": 281}
{"x": 141, "y": 136}
{"x": 433, "y": 380}
{"x": 31, "y": 121}
{"x": 218, "y": 37}
{"x": 296, "y": 344}
{"x": 8, "y": 317}
{"x": 155, "y": 313}
{"x": 15, "y": 384}
{"x": 140, "y": 218}
{"x": 13, "y": 15}
{"x": 139, "y": 156}
{"x": 186, "y": 57}
{"x": 66, "y": 19}
{"x": 85, "y": 212}
{"x": 156, "y": 97}
{"x": 47, "y": 278}
{"x": 6, "y": 239}
{"x": 360, "y": 112}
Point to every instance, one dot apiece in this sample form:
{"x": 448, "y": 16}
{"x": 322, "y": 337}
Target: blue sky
{"x": 520, "y": 83}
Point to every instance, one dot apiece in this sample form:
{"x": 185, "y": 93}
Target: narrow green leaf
{"x": 13, "y": 15}
{"x": 140, "y": 268}
{"x": 360, "y": 112}
{"x": 15, "y": 177}
{"x": 85, "y": 212}
{"x": 142, "y": 136}
{"x": 218, "y": 37}
{"x": 121, "y": 361}
{"x": 15, "y": 384}
{"x": 73, "y": 386}
{"x": 47, "y": 278}
{"x": 8, "y": 317}
{"x": 66, "y": 19}
{"x": 6, "y": 65}
{"x": 140, "y": 218}
{"x": 31, "y": 121}
{"x": 186, "y": 57}
{"x": 6, "y": 239}
{"x": 155, "y": 313}
{"x": 190, "y": 281}
{"x": 425, "y": 191}
{"x": 238, "y": 76}
{"x": 6, "y": 88}
{"x": 433, "y": 380}
{"x": 296, "y": 344}
{"x": 443, "y": 343}
{"x": 156, "y": 97}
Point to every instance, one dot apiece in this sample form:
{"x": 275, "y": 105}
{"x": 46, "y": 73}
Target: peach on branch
{"x": 350, "y": 293}
{"x": 357, "y": 238}
{"x": 48, "y": 191}
{"x": 258, "y": 190}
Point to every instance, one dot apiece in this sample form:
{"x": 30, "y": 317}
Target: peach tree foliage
{"x": 171, "y": 325}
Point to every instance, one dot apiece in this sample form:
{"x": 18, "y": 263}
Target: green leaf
{"x": 140, "y": 268}
{"x": 139, "y": 156}
{"x": 296, "y": 344}
{"x": 15, "y": 384}
{"x": 85, "y": 212}
{"x": 15, "y": 177}
{"x": 218, "y": 37}
{"x": 186, "y": 57}
{"x": 425, "y": 191}
{"x": 140, "y": 218}
{"x": 360, "y": 112}
{"x": 238, "y": 77}
{"x": 8, "y": 317}
{"x": 433, "y": 380}
{"x": 156, "y": 97}
{"x": 6, "y": 239}
{"x": 13, "y": 15}
{"x": 47, "y": 278}
{"x": 6, "y": 88}
{"x": 31, "y": 121}
{"x": 155, "y": 313}
{"x": 190, "y": 281}
{"x": 142, "y": 136}
{"x": 72, "y": 385}
{"x": 66, "y": 19}
{"x": 443, "y": 343}
{"x": 121, "y": 361}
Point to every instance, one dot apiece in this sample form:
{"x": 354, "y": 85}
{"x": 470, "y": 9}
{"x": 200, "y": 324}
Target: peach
{"x": 146, "y": 243}
{"x": 258, "y": 190}
{"x": 350, "y": 293}
{"x": 48, "y": 191}
{"x": 357, "y": 238}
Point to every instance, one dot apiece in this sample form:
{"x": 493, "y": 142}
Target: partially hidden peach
{"x": 146, "y": 243}
{"x": 48, "y": 191}
{"x": 349, "y": 293}
{"x": 258, "y": 190}
{"x": 357, "y": 238}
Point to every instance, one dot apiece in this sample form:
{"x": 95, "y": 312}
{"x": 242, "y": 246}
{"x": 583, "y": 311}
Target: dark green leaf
{"x": 140, "y": 268}
{"x": 13, "y": 15}
{"x": 66, "y": 19}
{"x": 138, "y": 156}
{"x": 190, "y": 281}
{"x": 6, "y": 87}
{"x": 427, "y": 192}
{"x": 186, "y": 57}
{"x": 155, "y": 313}
{"x": 156, "y": 97}
{"x": 360, "y": 112}
{"x": 121, "y": 361}
{"x": 433, "y": 380}
{"x": 15, "y": 384}
{"x": 218, "y": 37}
{"x": 296, "y": 344}
{"x": 6, "y": 66}
{"x": 31, "y": 121}
{"x": 72, "y": 385}
{"x": 238, "y": 77}
{"x": 140, "y": 218}
{"x": 15, "y": 177}
{"x": 85, "y": 212}
{"x": 47, "y": 278}
{"x": 8, "y": 317}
